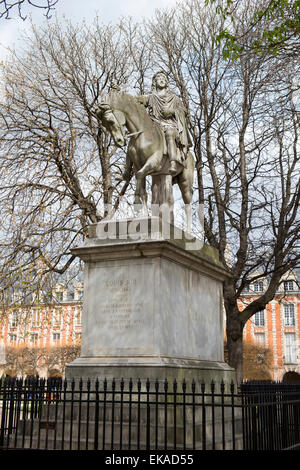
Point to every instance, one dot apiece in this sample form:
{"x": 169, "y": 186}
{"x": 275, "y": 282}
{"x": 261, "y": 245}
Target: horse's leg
{"x": 185, "y": 182}
{"x": 140, "y": 196}
{"x": 151, "y": 165}
{"x": 166, "y": 198}
{"x": 155, "y": 195}
{"x": 144, "y": 196}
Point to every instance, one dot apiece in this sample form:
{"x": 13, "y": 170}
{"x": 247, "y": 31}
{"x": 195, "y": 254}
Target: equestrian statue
{"x": 158, "y": 143}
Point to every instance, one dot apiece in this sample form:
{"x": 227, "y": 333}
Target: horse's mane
{"x": 131, "y": 99}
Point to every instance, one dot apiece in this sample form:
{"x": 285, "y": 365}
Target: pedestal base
{"x": 152, "y": 308}
{"x": 179, "y": 370}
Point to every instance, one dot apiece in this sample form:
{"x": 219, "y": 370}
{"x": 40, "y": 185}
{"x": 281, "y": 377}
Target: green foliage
{"x": 279, "y": 21}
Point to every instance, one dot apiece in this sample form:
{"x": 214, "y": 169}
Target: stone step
{"x": 83, "y": 444}
{"x": 64, "y": 428}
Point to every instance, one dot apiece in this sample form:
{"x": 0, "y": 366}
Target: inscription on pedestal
{"x": 122, "y": 313}
{"x": 122, "y": 307}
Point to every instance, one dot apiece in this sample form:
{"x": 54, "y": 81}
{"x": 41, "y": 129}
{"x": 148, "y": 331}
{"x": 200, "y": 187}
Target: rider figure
{"x": 166, "y": 108}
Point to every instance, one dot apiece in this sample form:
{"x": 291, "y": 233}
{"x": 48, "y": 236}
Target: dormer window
{"x": 59, "y": 296}
{"x": 258, "y": 286}
{"x": 288, "y": 285}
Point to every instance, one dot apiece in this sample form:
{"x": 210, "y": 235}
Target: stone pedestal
{"x": 152, "y": 305}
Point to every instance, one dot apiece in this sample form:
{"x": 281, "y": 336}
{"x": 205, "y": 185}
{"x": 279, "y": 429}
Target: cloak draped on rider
{"x": 167, "y": 110}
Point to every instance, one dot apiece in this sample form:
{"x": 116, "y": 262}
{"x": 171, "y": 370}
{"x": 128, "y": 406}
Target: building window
{"x": 288, "y": 285}
{"x": 258, "y": 286}
{"x": 79, "y": 294}
{"x": 56, "y": 319}
{"x": 77, "y": 319}
{"x": 77, "y": 337}
{"x": 289, "y": 315}
{"x": 260, "y": 338}
{"x": 59, "y": 296}
{"x": 290, "y": 355}
{"x": 13, "y": 338}
{"x": 14, "y": 319}
{"x": 56, "y": 337}
{"x": 71, "y": 296}
{"x": 34, "y": 338}
{"x": 259, "y": 318}
{"x": 35, "y": 318}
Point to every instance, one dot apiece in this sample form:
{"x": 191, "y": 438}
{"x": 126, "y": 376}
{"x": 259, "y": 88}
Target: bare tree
{"x": 28, "y": 360}
{"x": 244, "y": 124}
{"x": 6, "y": 8}
{"x": 58, "y": 165}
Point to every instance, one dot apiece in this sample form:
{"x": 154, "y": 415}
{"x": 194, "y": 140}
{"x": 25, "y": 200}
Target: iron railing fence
{"x": 271, "y": 415}
{"x": 119, "y": 415}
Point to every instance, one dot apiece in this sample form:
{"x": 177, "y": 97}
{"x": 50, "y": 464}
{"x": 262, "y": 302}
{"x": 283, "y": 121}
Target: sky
{"x": 77, "y": 10}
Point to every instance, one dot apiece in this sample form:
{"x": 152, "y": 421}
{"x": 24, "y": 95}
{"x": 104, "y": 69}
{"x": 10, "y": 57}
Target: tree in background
{"x": 6, "y": 8}
{"x": 60, "y": 169}
{"x": 245, "y": 127}
{"x": 58, "y": 165}
{"x": 273, "y": 26}
{"x": 28, "y": 360}
{"x": 257, "y": 361}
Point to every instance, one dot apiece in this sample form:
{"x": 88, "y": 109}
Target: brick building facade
{"x": 44, "y": 324}
{"x": 59, "y": 323}
{"x": 277, "y": 326}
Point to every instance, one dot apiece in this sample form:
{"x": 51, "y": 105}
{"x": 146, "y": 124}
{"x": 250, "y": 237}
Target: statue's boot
{"x": 172, "y": 152}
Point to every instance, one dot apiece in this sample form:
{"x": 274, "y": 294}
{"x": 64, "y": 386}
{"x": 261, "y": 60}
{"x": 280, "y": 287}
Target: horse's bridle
{"x": 105, "y": 108}
{"x": 134, "y": 133}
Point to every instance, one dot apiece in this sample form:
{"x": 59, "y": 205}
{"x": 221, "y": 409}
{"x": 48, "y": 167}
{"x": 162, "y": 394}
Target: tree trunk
{"x": 235, "y": 354}
{"x": 234, "y": 330}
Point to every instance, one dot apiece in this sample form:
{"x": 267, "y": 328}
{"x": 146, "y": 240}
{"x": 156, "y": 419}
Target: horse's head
{"x": 113, "y": 121}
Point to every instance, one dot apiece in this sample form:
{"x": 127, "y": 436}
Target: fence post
{"x": 203, "y": 416}
{"x": 96, "y": 415}
{"x": 148, "y": 415}
{"x": 3, "y": 391}
{"x": 232, "y": 389}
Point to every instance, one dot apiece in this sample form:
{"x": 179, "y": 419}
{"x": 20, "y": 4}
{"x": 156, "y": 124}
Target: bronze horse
{"x": 146, "y": 151}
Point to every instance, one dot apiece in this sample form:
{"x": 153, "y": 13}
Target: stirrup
{"x": 173, "y": 168}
